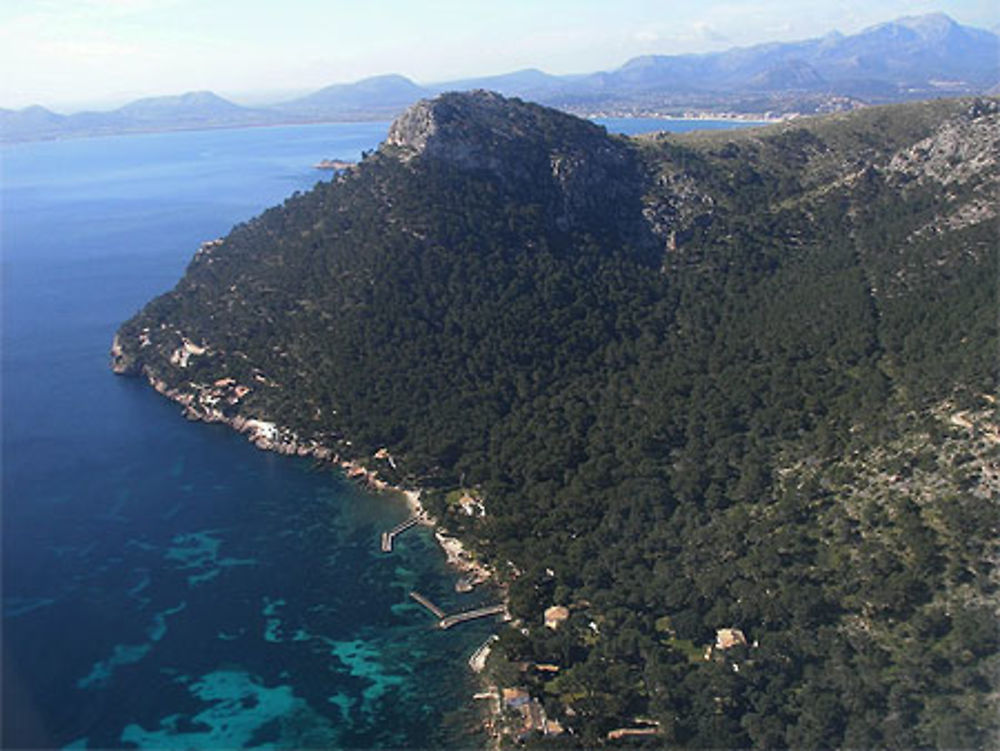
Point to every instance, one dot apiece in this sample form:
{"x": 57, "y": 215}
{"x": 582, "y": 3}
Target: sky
{"x": 73, "y": 54}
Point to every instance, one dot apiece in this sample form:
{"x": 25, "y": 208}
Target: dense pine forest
{"x": 738, "y": 380}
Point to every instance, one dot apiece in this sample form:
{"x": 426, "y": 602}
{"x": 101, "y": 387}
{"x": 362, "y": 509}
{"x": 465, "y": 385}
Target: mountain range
{"x": 909, "y": 58}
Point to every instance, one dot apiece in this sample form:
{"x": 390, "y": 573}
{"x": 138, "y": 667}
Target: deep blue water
{"x": 165, "y": 584}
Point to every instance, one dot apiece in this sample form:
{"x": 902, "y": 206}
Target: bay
{"x": 633, "y": 126}
{"x": 166, "y": 584}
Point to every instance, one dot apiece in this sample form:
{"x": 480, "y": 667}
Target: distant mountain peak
{"x": 642, "y": 61}
{"x": 390, "y": 91}
{"x": 882, "y": 62}
{"x": 37, "y": 109}
{"x": 200, "y": 102}
{"x": 387, "y": 79}
{"x": 929, "y": 24}
{"x": 910, "y": 57}
{"x": 201, "y": 96}
{"x": 930, "y": 28}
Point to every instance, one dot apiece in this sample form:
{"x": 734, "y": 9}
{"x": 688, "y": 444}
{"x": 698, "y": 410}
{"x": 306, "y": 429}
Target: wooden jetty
{"x": 390, "y": 536}
{"x": 468, "y": 615}
{"x": 438, "y": 612}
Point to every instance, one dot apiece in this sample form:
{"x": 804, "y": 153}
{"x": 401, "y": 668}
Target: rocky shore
{"x": 270, "y": 436}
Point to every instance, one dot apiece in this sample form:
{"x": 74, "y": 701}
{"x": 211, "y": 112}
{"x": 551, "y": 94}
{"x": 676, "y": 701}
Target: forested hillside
{"x": 743, "y": 380}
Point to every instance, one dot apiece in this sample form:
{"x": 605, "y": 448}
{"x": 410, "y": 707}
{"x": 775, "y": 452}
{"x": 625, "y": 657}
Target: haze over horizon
{"x": 70, "y": 55}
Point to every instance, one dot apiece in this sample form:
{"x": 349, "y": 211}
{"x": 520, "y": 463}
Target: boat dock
{"x": 468, "y": 615}
{"x": 447, "y": 621}
{"x": 390, "y": 536}
{"x": 438, "y": 612}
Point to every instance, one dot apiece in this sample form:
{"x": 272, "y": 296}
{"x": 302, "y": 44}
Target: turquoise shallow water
{"x": 165, "y": 584}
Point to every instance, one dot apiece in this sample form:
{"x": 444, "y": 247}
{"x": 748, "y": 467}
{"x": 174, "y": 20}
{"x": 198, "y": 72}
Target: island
{"x": 717, "y": 411}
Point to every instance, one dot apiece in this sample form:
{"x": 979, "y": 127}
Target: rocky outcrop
{"x": 526, "y": 147}
{"x": 676, "y": 206}
{"x": 122, "y": 362}
{"x": 963, "y": 158}
{"x": 474, "y": 129}
{"x": 964, "y": 148}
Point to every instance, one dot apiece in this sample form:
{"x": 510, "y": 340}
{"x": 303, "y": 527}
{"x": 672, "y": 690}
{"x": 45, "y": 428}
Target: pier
{"x": 438, "y": 612}
{"x": 468, "y": 615}
{"x": 447, "y": 621}
{"x": 390, "y": 536}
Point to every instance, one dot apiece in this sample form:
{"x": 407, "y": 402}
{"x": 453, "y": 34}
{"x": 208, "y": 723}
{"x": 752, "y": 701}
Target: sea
{"x": 166, "y": 584}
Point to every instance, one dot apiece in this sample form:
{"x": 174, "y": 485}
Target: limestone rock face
{"x": 486, "y": 131}
{"x": 962, "y": 157}
{"x": 964, "y": 148}
{"x": 573, "y": 164}
{"x": 413, "y": 129}
{"x": 471, "y": 129}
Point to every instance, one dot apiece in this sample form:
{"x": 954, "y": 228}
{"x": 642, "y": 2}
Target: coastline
{"x": 378, "y": 117}
{"x": 750, "y": 118}
{"x": 269, "y": 436}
